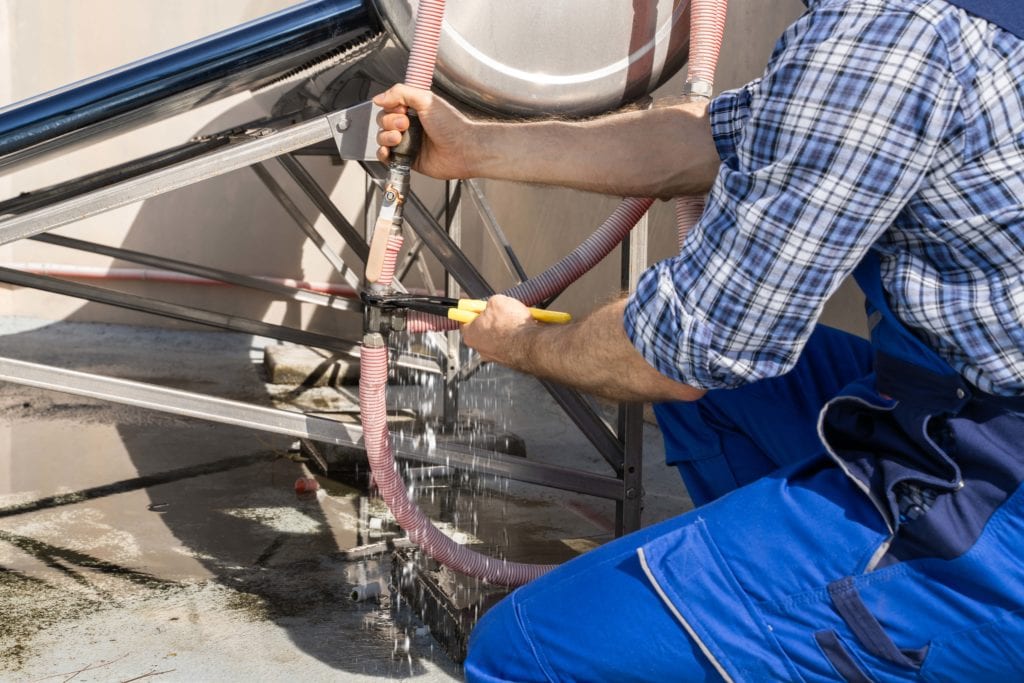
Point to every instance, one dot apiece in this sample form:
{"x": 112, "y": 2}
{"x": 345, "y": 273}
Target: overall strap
{"x": 889, "y": 336}
{"x": 1006, "y": 14}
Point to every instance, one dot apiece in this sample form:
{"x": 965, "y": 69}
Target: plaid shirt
{"x": 893, "y": 123}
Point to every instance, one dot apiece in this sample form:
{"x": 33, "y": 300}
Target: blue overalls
{"x": 920, "y": 538}
{"x": 897, "y": 553}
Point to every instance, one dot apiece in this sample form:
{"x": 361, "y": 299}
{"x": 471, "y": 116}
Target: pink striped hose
{"x": 556, "y": 278}
{"x": 707, "y": 25}
{"x": 387, "y": 269}
{"x": 374, "y": 359}
{"x": 419, "y": 72}
{"x": 373, "y": 381}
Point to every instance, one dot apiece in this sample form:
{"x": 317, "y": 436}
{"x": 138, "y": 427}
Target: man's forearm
{"x": 597, "y": 357}
{"x": 663, "y": 152}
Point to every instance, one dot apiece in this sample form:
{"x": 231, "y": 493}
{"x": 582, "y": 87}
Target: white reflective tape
{"x": 672, "y": 608}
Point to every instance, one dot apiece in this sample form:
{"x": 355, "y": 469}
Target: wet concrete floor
{"x": 136, "y": 545}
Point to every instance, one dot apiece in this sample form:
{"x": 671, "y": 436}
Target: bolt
{"x": 342, "y": 125}
{"x": 630, "y": 493}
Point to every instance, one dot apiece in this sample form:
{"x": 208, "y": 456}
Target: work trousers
{"x": 894, "y": 553}
{"x": 598, "y": 618}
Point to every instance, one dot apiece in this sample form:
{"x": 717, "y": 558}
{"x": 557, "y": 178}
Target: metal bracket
{"x": 355, "y": 131}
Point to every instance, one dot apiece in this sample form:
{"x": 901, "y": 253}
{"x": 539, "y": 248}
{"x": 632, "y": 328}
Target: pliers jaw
{"x": 381, "y": 314}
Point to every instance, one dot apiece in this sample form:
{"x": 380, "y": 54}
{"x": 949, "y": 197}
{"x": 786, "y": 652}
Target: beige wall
{"x": 231, "y": 222}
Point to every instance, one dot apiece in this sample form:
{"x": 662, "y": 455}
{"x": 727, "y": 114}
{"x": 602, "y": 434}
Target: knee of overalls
{"x": 500, "y": 651}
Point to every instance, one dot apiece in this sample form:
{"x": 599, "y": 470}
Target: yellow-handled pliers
{"x": 467, "y": 310}
{"x": 460, "y": 310}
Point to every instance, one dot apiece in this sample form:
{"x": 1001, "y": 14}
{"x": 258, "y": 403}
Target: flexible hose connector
{"x": 373, "y": 378}
{"x": 707, "y": 27}
{"x": 419, "y": 72}
{"x": 707, "y": 23}
{"x": 688, "y": 212}
{"x": 417, "y": 322}
{"x": 387, "y": 269}
{"x": 556, "y": 278}
{"x": 584, "y": 257}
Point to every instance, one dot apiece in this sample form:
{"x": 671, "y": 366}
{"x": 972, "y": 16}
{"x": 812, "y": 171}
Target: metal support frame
{"x": 631, "y": 415}
{"x": 250, "y": 150}
{"x": 453, "y": 338}
{"x": 217, "y": 155}
{"x": 295, "y": 424}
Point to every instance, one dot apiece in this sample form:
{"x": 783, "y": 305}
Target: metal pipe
{"x": 187, "y": 313}
{"x": 295, "y": 424}
{"x": 288, "y": 286}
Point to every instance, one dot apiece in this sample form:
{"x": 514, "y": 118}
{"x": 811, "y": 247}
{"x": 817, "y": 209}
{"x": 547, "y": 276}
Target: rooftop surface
{"x": 136, "y": 545}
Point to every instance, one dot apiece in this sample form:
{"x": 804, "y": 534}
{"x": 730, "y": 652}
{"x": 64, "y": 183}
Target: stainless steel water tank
{"x": 510, "y": 57}
{"x": 571, "y": 57}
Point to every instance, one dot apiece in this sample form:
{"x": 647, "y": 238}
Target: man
{"x": 878, "y": 527}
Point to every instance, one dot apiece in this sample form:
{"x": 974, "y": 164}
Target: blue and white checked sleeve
{"x": 818, "y": 158}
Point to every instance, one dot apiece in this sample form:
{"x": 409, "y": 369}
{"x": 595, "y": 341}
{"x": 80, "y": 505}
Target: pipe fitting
{"x": 381, "y": 321}
{"x": 367, "y": 591}
{"x": 698, "y": 88}
{"x": 374, "y": 340}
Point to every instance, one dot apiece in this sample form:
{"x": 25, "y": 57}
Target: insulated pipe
{"x": 688, "y": 212}
{"x": 707, "y": 25}
{"x": 373, "y": 379}
{"x": 562, "y": 274}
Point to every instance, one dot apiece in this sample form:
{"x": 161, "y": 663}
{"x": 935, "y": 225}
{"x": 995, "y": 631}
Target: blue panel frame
{"x": 181, "y": 78}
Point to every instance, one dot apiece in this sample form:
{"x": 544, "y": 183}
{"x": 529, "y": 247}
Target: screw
{"x": 342, "y": 125}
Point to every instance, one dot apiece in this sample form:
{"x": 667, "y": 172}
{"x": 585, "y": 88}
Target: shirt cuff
{"x": 729, "y": 112}
{"x": 664, "y": 336}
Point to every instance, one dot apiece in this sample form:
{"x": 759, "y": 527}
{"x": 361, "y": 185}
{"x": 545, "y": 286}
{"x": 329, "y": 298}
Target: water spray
{"x": 707, "y": 24}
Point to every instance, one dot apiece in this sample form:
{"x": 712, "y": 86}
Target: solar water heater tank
{"x": 570, "y": 57}
{"x": 505, "y": 57}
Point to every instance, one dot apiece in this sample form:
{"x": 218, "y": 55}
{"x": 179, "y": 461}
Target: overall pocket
{"x": 992, "y": 652}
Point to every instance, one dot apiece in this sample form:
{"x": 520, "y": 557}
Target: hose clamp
{"x": 698, "y": 88}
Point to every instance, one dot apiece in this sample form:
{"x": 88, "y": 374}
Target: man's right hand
{"x": 448, "y": 142}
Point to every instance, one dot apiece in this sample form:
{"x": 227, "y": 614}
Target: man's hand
{"x": 449, "y": 136}
{"x": 499, "y": 333}
{"x": 662, "y": 152}
{"x": 593, "y": 355}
